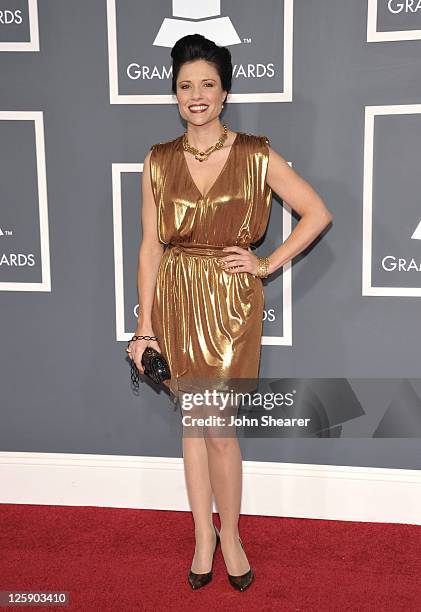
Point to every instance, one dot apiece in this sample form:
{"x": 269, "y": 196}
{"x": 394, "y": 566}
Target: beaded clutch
{"x": 155, "y": 367}
{"x": 155, "y": 364}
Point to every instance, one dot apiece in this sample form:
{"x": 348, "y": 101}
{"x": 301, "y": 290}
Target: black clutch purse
{"x": 155, "y": 367}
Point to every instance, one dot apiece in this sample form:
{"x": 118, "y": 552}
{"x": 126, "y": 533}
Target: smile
{"x": 198, "y": 108}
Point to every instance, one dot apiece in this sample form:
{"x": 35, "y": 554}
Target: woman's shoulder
{"x": 254, "y": 144}
{"x": 165, "y": 145}
{"x": 255, "y": 138}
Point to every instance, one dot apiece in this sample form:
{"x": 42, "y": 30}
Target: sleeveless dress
{"x": 209, "y": 321}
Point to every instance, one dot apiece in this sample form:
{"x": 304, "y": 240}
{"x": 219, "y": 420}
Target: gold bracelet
{"x": 262, "y": 267}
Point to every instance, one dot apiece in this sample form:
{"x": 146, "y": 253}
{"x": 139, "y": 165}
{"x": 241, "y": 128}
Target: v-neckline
{"x": 204, "y": 196}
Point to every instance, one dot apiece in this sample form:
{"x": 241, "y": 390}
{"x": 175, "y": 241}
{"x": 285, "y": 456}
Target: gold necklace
{"x": 203, "y": 155}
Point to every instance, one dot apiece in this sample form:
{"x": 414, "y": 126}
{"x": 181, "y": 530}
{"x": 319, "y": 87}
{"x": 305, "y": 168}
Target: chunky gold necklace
{"x": 203, "y": 155}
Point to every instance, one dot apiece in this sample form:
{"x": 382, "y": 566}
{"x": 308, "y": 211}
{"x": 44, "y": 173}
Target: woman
{"x": 207, "y": 194}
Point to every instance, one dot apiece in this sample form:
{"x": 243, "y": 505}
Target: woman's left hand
{"x": 239, "y": 260}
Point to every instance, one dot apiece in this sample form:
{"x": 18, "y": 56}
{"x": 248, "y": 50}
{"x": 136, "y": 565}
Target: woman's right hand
{"x": 137, "y": 347}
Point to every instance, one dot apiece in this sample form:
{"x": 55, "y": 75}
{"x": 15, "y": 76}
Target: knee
{"x": 220, "y": 445}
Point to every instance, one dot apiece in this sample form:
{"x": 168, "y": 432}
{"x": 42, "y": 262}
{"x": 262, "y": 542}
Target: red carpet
{"x": 124, "y": 560}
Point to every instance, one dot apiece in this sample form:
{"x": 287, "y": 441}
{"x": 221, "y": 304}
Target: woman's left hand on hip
{"x": 238, "y": 259}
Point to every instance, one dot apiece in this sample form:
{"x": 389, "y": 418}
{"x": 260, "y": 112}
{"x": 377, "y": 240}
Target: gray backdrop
{"x": 78, "y": 115}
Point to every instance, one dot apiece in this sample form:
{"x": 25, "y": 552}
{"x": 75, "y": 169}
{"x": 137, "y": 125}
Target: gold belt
{"x": 192, "y": 249}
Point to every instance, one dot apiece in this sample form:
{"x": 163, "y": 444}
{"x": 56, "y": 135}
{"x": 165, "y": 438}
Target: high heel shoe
{"x": 197, "y": 581}
{"x": 244, "y": 580}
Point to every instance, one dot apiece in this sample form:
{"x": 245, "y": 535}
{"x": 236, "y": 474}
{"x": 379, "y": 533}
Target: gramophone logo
{"x": 417, "y": 233}
{"x": 190, "y": 16}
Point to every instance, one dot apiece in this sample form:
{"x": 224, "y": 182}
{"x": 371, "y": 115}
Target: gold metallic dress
{"x": 209, "y": 321}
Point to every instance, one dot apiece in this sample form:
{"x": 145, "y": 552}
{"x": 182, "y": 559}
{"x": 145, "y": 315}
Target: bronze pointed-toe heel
{"x": 244, "y": 580}
{"x": 197, "y": 581}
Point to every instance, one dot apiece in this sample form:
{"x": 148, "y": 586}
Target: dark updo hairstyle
{"x": 196, "y": 46}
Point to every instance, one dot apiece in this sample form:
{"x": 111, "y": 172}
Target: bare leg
{"x": 200, "y": 499}
{"x": 225, "y": 472}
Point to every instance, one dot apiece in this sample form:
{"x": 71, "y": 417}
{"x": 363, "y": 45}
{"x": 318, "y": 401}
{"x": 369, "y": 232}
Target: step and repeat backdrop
{"x": 85, "y": 91}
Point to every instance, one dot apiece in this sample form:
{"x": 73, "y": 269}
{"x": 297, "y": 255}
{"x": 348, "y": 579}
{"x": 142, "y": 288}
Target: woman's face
{"x": 198, "y": 83}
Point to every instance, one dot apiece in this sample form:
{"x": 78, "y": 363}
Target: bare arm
{"x": 150, "y": 253}
{"x": 302, "y": 198}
